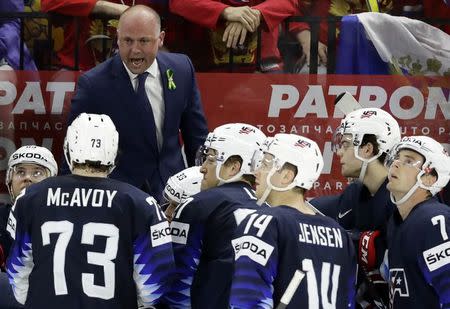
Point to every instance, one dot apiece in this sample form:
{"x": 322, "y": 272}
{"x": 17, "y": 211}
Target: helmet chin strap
{"x": 271, "y": 187}
{"x": 11, "y": 194}
{"x": 223, "y": 181}
{"x": 365, "y": 163}
{"x": 406, "y": 196}
{"x": 411, "y": 191}
{"x": 362, "y": 173}
{"x": 67, "y": 157}
{"x": 263, "y": 198}
{"x": 111, "y": 169}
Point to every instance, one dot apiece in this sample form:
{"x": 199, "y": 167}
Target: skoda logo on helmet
{"x": 28, "y": 155}
{"x": 175, "y": 194}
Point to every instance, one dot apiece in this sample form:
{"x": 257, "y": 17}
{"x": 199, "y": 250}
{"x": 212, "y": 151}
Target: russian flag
{"x": 377, "y": 43}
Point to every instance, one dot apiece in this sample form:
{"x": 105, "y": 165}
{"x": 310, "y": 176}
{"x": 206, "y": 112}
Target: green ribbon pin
{"x": 170, "y": 83}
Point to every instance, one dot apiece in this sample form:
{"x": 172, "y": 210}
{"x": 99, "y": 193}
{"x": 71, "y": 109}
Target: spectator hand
{"x": 250, "y": 18}
{"x": 304, "y": 38}
{"x": 233, "y": 33}
{"x": 105, "y": 7}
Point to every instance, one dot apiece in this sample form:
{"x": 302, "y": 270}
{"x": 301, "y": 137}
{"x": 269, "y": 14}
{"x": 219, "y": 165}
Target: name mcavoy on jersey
{"x": 320, "y": 235}
{"x": 80, "y": 197}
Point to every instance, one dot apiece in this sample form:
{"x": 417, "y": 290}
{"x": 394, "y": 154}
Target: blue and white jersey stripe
{"x": 252, "y": 289}
{"x": 152, "y": 267}
{"x": 20, "y": 265}
{"x": 187, "y": 259}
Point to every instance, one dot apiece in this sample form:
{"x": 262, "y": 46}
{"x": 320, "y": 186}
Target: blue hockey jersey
{"x": 419, "y": 257}
{"x": 202, "y": 229}
{"x": 356, "y": 209}
{"x": 5, "y": 238}
{"x": 274, "y": 242}
{"x": 83, "y": 242}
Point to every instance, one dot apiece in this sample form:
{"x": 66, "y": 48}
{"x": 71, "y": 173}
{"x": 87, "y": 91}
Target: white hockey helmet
{"x": 436, "y": 158}
{"x": 301, "y": 152}
{"x": 183, "y": 185}
{"x": 233, "y": 139}
{"x": 31, "y": 154}
{"x": 365, "y": 121}
{"x": 91, "y": 138}
{"x": 371, "y": 121}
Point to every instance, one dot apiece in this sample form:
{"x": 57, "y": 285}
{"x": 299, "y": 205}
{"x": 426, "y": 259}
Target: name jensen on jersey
{"x": 320, "y": 235}
{"x": 80, "y": 197}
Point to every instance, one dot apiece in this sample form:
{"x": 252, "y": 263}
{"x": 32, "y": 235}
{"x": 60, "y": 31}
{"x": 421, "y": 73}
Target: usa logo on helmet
{"x": 302, "y": 143}
{"x": 246, "y": 130}
{"x": 368, "y": 114}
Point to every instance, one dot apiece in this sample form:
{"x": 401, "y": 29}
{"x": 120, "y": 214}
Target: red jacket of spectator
{"x": 201, "y": 35}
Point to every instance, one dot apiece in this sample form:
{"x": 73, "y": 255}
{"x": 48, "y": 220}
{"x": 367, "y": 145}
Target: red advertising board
{"x": 34, "y": 106}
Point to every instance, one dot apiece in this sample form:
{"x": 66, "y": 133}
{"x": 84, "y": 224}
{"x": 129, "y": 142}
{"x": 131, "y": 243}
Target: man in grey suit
{"x": 149, "y": 127}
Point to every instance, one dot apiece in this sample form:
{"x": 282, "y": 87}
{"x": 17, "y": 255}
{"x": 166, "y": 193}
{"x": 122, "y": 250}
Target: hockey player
{"x": 27, "y": 165}
{"x": 203, "y": 226}
{"x": 361, "y": 142}
{"x": 180, "y": 187}
{"x": 419, "y": 247}
{"x": 275, "y": 242}
{"x": 86, "y": 241}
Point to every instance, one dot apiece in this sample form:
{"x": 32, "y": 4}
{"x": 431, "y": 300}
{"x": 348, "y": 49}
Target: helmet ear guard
{"x": 91, "y": 138}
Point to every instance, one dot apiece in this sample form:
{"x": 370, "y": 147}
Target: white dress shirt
{"x": 154, "y": 90}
